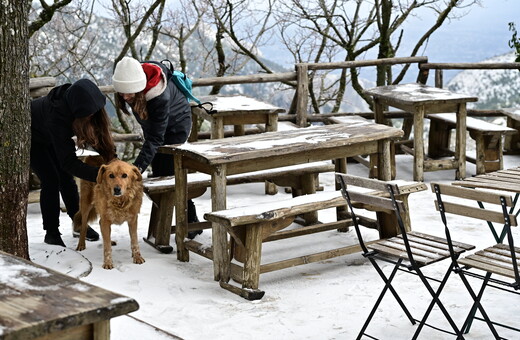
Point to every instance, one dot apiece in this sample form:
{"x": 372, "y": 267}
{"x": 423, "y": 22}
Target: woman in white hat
{"x": 160, "y": 108}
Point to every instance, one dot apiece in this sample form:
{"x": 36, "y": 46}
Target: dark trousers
{"x": 162, "y": 165}
{"x": 54, "y": 181}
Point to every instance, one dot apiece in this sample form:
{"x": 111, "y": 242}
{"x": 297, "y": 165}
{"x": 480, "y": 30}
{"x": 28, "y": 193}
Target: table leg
{"x": 460, "y": 147}
{"x": 221, "y": 265}
{"x": 271, "y": 125}
{"x": 272, "y": 122}
{"x": 379, "y": 116}
{"x": 194, "y": 134}
{"x": 340, "y": 166}
{"x": 217, "y": 128}
{"x": 181, "y": 209}
{"x": 385, "y": 160}
{"x": 387, "y": 222}
{"x": 418, "y": 145}
{"x": 239, "y": 130}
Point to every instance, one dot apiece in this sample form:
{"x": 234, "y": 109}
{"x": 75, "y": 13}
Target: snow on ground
{"x": 325, "y": 300}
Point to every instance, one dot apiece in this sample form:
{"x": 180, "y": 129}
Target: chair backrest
{"x": 469, "y": 203}
{"x": 496, "y": 210}
{"x": 370, "y": 199}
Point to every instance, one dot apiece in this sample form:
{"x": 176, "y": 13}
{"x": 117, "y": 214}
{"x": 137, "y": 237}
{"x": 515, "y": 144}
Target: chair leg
{"x": 388, "y": 286}
{"x": 476, "y": 304}
{"x": 435, "y": 295}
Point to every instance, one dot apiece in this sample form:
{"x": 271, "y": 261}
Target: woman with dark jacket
{"x": 68, "y": 110}
{"x": 160, "y": 108}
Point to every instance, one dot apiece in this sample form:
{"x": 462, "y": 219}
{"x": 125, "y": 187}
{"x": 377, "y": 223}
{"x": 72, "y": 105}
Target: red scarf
{"x": 153, "y": 75}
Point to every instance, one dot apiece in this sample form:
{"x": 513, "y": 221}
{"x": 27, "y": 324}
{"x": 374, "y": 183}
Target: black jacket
{"x": 52, "y": 117}
{"x": 169, "y": 120}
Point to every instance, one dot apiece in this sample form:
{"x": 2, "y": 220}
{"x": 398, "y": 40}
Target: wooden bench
{"x": 512, "y": 142}
{"x": 487, "y": 136}
{"x": 161, "y": 191}
{"x": 250, "y": 226}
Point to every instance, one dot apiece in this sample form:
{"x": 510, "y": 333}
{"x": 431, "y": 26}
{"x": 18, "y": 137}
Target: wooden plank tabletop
{"x": 230, "y": 105}
{"x": 36, "y": 301}
{"x": 504, "y": 180}
{"x": 264, "y": 145}
{"x": 418, "y": 93}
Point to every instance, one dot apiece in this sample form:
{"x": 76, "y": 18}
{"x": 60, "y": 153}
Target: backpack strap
{"x": 206, "y": 106}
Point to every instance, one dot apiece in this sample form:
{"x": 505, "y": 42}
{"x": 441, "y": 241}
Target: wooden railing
{"x": 298, "y": 112}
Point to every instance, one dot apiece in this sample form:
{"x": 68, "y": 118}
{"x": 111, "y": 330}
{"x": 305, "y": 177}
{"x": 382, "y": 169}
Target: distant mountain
{"x": 103, "y": 41}
{"x": 494, "y": 88}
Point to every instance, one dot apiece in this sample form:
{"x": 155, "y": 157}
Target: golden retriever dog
{"x": 116, "y": 197}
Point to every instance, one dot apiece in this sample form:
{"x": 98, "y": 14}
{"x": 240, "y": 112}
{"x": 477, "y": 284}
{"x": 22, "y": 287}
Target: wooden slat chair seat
{"x": 498, "y": 259}
{"x": 411, "y": 250}
{"x": 426, "y": 249}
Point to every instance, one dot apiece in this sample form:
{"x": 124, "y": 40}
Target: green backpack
{"x": 184, "y": 84}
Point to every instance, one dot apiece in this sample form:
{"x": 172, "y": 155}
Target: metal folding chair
{"x": 409, "y": 251}
{"x": 499, "y": 259}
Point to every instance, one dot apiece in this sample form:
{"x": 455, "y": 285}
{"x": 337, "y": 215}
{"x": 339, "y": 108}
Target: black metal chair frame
{"x": 412, "y": 267}
{"x": 486, "y": 278}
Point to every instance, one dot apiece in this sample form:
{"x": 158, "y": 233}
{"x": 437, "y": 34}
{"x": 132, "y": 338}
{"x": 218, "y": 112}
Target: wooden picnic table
{"x": 421, "y": 100}
{"x": 228, "y": 156}
{"x": 39, "y": 303}
{"x": 236, "y": 110}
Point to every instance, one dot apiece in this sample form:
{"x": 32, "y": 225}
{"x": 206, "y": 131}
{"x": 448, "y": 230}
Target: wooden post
{"x": 217, "y": 128}
{"x": 302, "y": 94}
{"x": 460, "y": 148}
{"x": 181, "y": 209}
{"x": 101, "y": 330}
{"x": 422, "y": 77}
{"x": 438, "y": 79}
{"x": 271, "y": 125}
{"x": 418, "y": 145}
{"x": 253, "y": 240}
{"x": 221, "y": 265}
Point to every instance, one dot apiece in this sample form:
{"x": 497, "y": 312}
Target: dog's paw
{"x": 108, "y": 265}
{"x": 138, "y": 259}
{"x": 81, "y": 247}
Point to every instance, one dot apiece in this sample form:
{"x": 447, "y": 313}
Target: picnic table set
{"x": 295, "y": 157}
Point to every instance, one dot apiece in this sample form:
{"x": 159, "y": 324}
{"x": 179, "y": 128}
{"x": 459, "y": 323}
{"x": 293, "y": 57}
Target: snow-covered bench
{"x": 251, "y": 226}
{"x": 487, "y": 136}
{"x": 161, "y": 191}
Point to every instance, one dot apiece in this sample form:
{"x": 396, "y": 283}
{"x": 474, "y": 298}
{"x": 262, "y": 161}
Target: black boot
{"x": 54, "y": 237}
{"x": 192, "y": 218}
{"x": 92, "y": 235}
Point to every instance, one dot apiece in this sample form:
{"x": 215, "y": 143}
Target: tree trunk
{"x": 15, "y": 124}
{"x": 385, "y": 46}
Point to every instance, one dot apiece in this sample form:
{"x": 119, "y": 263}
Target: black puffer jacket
{"x": 52, "y": 118}
{"x": 169, "y": 119}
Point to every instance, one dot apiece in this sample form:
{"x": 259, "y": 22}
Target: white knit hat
{"x": 129, "y": 76}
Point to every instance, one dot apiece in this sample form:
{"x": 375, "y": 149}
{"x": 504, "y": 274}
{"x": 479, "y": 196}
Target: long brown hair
{"x": 138, "y": 106}
{"x": 94, "y": 131}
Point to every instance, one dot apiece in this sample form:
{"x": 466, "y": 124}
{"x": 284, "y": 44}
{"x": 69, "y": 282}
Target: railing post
{"x": 302, "y": 94}
{"x": 439, "y": 78}
{"x": 422, "y": 77}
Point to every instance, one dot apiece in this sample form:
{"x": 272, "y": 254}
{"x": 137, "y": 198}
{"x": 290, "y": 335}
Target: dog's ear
{"x": 138, "y": 175}
{"x": 100, "y": 174}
